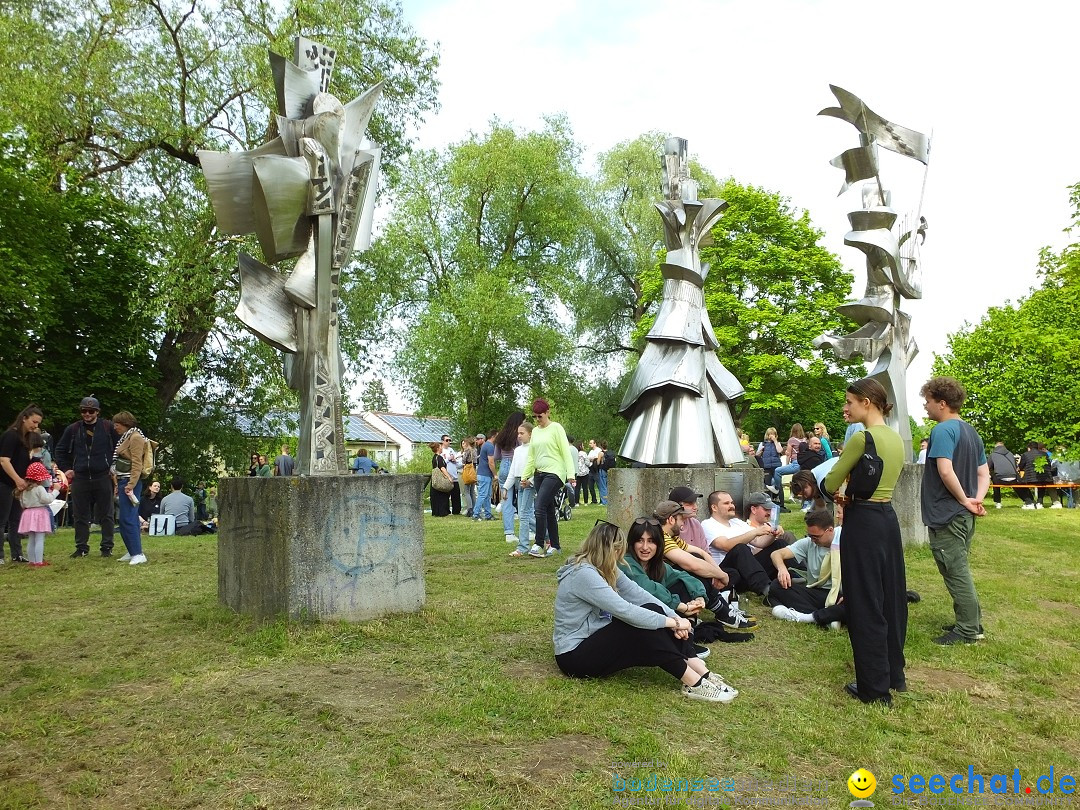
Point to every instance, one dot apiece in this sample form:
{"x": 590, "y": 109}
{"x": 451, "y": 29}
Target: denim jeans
{"x": 507, "y": 505}
{"x": 526, "y": 516}
{"x": 129, "y": 519}
{"x": 787, "y": 469}
{"x": 601, "y": 484}
{"x": 483, "y": 497}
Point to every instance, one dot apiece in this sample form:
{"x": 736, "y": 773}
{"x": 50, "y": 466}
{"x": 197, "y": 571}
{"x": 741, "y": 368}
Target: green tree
{"x": 375, "y": 398}
{"x": 125, "y": 94}
{"x": 772, "y": 288}
{"x": 484, "y": 239}
{"x": 1018, "y": 363}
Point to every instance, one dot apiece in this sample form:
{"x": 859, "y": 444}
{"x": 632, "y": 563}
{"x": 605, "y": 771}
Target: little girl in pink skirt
{"x": 37, "y": 517}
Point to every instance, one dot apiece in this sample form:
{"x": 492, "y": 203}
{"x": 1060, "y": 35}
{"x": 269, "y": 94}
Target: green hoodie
{"x": 661, "y": 590}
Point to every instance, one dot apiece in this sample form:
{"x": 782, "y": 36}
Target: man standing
{"x": 955, "y": 480}
{"x": 485, "y": 472}
{"x": 596, "y": 456}
{"x": 181, "y": 507}
{"x": 85, "y": 453}
{"x": 283, "y": 464}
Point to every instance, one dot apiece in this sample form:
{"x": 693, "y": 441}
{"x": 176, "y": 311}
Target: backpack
{"x": 866, "y": 474}
{"x": 149, "y": 457}
{"x": 609, "y": 460}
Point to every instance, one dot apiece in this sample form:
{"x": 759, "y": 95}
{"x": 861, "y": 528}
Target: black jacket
{"x": 89, "y": 456}
{"x": 1002, "y": 465}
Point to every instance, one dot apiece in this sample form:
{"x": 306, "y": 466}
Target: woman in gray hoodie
{"x": 605, "y": 623}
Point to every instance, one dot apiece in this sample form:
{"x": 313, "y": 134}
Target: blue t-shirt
{"x": 956, "y": 440}
{"x": 363, "y": 465}
{"x": 487, "y": 450}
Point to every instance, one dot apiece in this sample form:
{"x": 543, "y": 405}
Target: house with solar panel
{"x": 410, "y": 433}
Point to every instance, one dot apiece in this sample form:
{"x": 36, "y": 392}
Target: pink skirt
{"x": 36, "y": 519}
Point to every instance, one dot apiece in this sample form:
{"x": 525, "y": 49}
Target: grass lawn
{"x": 131, "y": 687}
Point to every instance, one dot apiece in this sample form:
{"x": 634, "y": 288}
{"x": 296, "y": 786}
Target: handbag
{"x": 468, "y": 473}
{"x": 440, "y": 481}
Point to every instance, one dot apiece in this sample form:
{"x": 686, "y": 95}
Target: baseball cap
{"x": 759, "y": 499}
{"x": 683, "y": 495}
{"x": 666, "y": 509}
{"x": 481, "y": 436}
{"x": 90, "y": 402}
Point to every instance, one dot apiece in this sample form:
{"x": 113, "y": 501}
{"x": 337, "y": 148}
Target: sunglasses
{"x": 647, "y": 521}
{"x": 606, "y": 523}
{"x": 88, "y": 410}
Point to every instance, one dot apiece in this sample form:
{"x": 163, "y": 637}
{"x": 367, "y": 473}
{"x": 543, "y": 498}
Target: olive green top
{"x": 890, "y": 448}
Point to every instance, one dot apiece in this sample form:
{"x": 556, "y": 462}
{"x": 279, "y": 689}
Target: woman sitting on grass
{"x": 644, "y": 564}
{"x": 605, "y": 623}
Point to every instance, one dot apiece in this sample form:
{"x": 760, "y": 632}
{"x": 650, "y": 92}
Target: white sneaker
{"x": 719, "y": 681}
{"x": 835, "y": 626}
{"x": 511, "y": 538}
{"x": 707, "y": 690}
{"x": 138, "y": 559}
{"x": 536, "y": 551}
{"x": 1028, "y": 506}
{"x": 552, "y": 551}
{"x": 785, "y": 613}
{"x": 1055, "y": 505}
{"x": 997, "y": 505}
{"x": 125, "y": 558}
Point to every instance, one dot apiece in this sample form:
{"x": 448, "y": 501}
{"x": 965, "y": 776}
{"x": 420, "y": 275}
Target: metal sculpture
{"x": 308, "y": 194}
{"x": 892, "y": 255}
{"x": 677, "y": 399}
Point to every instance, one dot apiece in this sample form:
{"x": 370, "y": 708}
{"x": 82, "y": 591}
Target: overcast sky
{"x": 743, "y": 81}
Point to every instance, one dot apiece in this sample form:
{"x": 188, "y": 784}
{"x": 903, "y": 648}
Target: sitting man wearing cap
{"x": 691, "y": 559}
{"x": 817, "y": 599}
{"x": 691, "y": 533}
{"x": 736, "y": 546}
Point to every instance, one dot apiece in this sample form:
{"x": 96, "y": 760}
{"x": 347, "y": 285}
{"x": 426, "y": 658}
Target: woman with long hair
{"x": 769, "y": 453}
{"x": 549, "y": 466}
{"x": 797, "y": 437}
{"x": 440, "y": 501}
{"x": 506, "y": 442}
{"x": 644, "y": 564}
{"x": 14, "y": 459}
{"x": 605, "y": 623}
{"x": 872, "y": 562}
{"x": 468, "y": 491}
{"x": 822, "y": 433}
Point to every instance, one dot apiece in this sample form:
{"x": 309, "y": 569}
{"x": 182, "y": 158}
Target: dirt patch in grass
{"x": 528, "y": 670}
{"x": 931, "y": 679}
{"x": 1072, "y": 610}
{"x": 548, "y": 759}
{"x": 343, "y": 687}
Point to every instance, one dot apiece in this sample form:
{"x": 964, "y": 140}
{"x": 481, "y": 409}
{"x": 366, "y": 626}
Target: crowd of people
{"x": 93, "y": 474}
{"x": 640, "y": 601}
{"x": 521, "y": 471}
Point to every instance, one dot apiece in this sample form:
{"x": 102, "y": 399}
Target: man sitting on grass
{"x": 181, "y": 507}
{"x": 732, "y": 545}
{"x": 698, "y": 563}
{"x": 817, "y": 599}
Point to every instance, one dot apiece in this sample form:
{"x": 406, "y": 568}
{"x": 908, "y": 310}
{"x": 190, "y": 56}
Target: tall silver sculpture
{"x": 308, "y": 194}
{"x": 677, "y": 399}
{"x": 892, "y": 255}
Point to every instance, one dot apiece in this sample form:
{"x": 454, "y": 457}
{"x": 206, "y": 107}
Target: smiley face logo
{"x": 862, "y": 784}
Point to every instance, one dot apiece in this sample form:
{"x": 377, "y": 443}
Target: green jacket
{"x": 661, "y": 590}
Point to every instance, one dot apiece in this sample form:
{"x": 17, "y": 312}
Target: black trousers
{"x": 547, "y": 523}
{"x": 744, "y": 569}
{"x": 455, "y": 499}
{"x": 875, "y": 591}
{"x": 621, "y": 646}
{"x": 591, "y": 486}
{"x": 809, "y": 600}
{"x": 93, "y": 497}
{"x": 10, "y": 513}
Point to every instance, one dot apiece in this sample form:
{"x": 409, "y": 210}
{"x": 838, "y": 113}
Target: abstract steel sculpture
{"x": 892, "y": 261}
{"x": 677, "y": 399}
{"x": 307, "y": 194}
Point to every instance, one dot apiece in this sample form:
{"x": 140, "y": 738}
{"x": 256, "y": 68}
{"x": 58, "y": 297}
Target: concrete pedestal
{"x": 635, "y": 492}
{"x": 322, "y": 547}
{"x": 907, "y": 503}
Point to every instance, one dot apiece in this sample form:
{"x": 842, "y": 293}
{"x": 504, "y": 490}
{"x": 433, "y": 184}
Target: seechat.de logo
{"x": 861, "y": 784}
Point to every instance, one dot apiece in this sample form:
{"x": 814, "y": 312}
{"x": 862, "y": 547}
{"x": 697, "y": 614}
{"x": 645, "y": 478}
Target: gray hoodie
{"x": 585, "y": 603}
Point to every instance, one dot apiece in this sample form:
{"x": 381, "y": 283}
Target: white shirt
{"x": 714, "y": 528}
{"x": 452, "y": 460}
{"x": 517, "y": 463}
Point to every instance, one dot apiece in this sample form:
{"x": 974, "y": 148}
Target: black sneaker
{"x": 701, "y": 652}
{"x": 106, "y": 554}
{"x": 949, "y": 628}
{"x": 19, "y": 558}
{"x": 79, "y": 553}
{"x": 737, "y": 620}
{"x": 951, "y": 638}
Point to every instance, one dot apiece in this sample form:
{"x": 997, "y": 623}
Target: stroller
{"x": 564, "y": 508}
